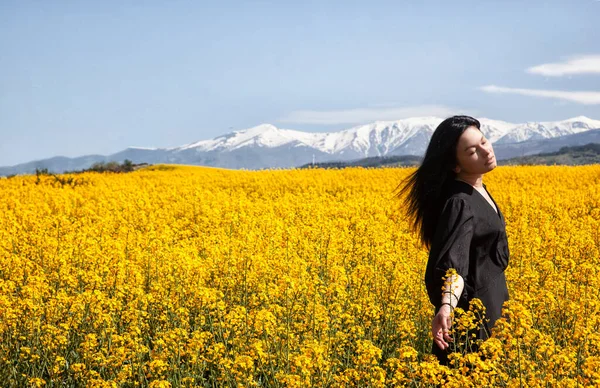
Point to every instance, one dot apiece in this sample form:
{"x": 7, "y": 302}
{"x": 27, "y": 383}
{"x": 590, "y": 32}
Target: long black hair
{"x": 426, "y": 186}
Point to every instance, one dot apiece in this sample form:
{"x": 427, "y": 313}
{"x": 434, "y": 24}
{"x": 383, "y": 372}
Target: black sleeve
{"x": 450, "y": 247}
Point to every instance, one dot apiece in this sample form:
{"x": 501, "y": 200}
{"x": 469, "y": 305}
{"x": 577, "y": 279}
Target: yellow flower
{"x": 301, "y": 277}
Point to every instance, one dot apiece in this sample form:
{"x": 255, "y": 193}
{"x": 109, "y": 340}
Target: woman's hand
{"x": 440, "y": 327}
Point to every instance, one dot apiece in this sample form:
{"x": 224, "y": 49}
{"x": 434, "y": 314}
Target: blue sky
{"x": 83, "y": 77}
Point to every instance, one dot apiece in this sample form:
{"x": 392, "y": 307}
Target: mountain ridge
{"x": 266, "y": 146}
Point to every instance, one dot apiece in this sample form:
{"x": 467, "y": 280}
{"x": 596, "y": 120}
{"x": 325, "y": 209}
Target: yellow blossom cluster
{"x": 180, "y": 276}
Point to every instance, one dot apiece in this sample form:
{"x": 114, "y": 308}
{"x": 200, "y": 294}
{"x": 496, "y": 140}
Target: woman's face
{"x": 474, "y": 152}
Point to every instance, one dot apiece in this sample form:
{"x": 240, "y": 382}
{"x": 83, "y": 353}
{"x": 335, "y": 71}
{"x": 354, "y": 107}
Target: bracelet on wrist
{"x": 450, "y": 292}
{"x": 452, "y": 307}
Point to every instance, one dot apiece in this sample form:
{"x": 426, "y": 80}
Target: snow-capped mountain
{"x": 266, "y": 146}
{"x": 378, "y": 138}
{"x": 408, "y": 136}
{"x": 265, "y": 135}
{"x": 548, "y": 130}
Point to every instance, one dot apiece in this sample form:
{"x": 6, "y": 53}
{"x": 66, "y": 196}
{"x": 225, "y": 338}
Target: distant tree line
{"x": 569, "y": 156}
{"x": 373, "y": 161}
{"x": 68, "y": 180}
{"x": 126, "y": 166}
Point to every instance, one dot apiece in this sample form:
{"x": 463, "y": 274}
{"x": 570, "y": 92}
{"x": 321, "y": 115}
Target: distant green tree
{"x": 127, "y": 165}
{"x": 112, "y": 166}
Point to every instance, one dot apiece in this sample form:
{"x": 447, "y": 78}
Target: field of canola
{"x": 190, "y": 276}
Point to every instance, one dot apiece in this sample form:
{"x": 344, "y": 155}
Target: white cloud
{"x": 583, "y": 64}
{"x": 586, "y": 98}
{"x": 365, "y": 115}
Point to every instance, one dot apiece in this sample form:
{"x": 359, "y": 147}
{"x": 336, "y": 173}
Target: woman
{"x": 461, "y": 225}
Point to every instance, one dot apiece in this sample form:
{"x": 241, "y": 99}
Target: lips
{"x": 490, "y": 160}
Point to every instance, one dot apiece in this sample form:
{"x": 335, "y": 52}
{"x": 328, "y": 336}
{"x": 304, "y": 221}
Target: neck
{"x": 474, "y": 180}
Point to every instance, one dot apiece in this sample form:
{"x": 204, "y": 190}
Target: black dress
{"x": 470, "y": 237}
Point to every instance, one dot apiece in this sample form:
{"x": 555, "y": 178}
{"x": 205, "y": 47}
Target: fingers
{"x": 441, "y": 333}
{"x": 440, "y": 343}
{"x": 443, "y": 337}
{"x": 447, "y": 336}
{"x": 446, "y": 325}
{"x": 438, "y": 337}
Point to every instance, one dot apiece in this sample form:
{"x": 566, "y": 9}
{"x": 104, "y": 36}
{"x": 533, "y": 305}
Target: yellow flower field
{"x": 191, "y": 276}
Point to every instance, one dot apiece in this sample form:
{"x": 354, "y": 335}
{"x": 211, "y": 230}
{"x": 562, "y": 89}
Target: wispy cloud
{"x": 583, "y": 64}
{"x": 586, "y": 98}
{"x": 365, "y": 115}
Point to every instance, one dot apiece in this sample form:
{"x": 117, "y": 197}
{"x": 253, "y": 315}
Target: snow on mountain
{"x": 383, "y": 137}
{"x": 143, "y": 148}
{"x": 266, "y": 146}
{"x": 264, "y": 135}
{"x": 495, "y": 129}
{"x": 379, "y": 137}
{"x": 547, "y": 130}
